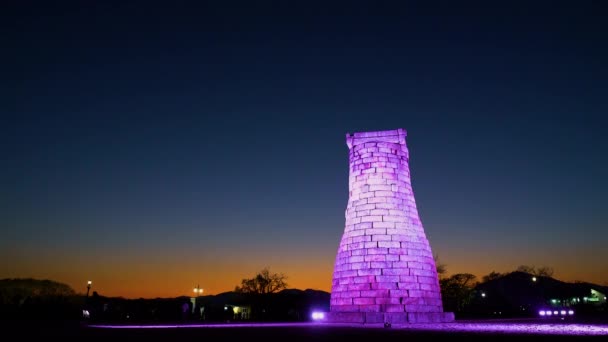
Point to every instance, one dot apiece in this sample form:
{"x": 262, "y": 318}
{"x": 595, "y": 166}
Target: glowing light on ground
{"x": 484, "y": 327}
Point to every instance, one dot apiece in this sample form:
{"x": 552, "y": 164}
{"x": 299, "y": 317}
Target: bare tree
{"x": 493, "y": 275}
{"x": 442, "y": 269}
{"x": 526, "y": 269}
{"x": 544, "y": 271}
{"x": 263, "y": 282}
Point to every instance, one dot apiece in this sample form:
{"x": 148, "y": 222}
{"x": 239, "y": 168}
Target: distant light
{"x": 483, "y": 294}
{"x": 533, "y": 278}
{"x": 553, "y": 300}
{"x": 563, "y": 312}
{"x": 89, "y": 282}
{"x": 316, "y": 315}
{"x": 548, "y": 312}
{"x": 225, "y": 308}
{"x": 541, "y": 312}
{"x": 571, "y": 312}
{"x": 555, "y": 312}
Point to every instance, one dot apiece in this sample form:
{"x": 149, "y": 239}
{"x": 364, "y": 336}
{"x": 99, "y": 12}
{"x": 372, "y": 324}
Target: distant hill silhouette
{"x": 286, "y": 305}
{"x": 517, "y": 293}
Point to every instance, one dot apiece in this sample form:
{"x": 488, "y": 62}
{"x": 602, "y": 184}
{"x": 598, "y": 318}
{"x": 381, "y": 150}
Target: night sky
{"x": 152, "y": 148}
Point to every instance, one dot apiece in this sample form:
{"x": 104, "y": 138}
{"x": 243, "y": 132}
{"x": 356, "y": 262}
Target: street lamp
{"x": 198, "y": 290}
{"x": 533, "y": 278}
{"x": 89, "y": 283}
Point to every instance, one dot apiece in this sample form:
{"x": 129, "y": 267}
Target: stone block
{"x": 427, "y": 280}
{"x": 387, "y": 279}
{"x": 364, "y": 301}
{"x": 359, "y": 252}
{"x": 362, "y": 238}
{"x": 384, "y": 194}
{"x": 408, "y": 286}
{"x": 388, "y": 300}
{"x": 368, "y": 272}
{"x": 414, "y": 265}
{"x": 383, "y": 225}
{"x": 392, "y": 257}
{"x": 399, "y": 293}
{"x": 380, "y": 264}
{"x": 383, "y": 286}
{"x": 371, "y": 219}
{"x": 341, "y": 301}
{"x": 407, "y": 279}
{"x": 391, "y": 271}
{"x": 382, "y": 251}
{"x": 359, "y": 265}
{"x": 377, "y": 187}
{"x": 366, "y": 207}
{"x": 375, "y": 257}
{"x": 346, "y": 274}
{"x": 375, "y": 293}
{"x": 379, "y": 212}
{"x": 394, "y": 308}
{"x": 365, "y": 279}
{"x": 388, "y": 218}
{"x": 369, "y": 307}
{"x": 396, "y": 317}
{"x": 389, "y": 244}
{"x": 357, "y": 287}
{"x": 426, "y": 273}
{"x": 362, "y": 213}
{"x": 345, "y": 281}
{"x": 375, "y": 230}
{"x": 374, "y": 317}
{"x": 371, "y": 244}
{"x": 381, "y": 238}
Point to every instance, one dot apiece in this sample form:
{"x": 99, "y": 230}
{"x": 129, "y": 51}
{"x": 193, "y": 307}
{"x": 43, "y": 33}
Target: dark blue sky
{"x": 204, "y": 142}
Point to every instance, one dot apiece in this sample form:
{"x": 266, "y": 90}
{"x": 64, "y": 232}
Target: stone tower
{"x": 384, "y": 271}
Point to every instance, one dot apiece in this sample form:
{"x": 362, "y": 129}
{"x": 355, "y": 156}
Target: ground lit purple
{"x": 503, "y": 328}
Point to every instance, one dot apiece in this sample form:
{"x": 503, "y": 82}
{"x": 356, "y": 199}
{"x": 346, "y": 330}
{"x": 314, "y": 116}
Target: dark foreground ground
{"x": 73, "y": 331}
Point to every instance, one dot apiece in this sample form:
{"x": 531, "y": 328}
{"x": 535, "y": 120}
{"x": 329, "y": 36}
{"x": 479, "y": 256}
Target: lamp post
{"x": 198, "y": 291}
{"x": 89, "y": 283}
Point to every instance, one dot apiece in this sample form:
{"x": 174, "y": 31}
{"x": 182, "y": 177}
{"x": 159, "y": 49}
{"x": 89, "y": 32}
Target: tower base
{"x": 390, "y": 317}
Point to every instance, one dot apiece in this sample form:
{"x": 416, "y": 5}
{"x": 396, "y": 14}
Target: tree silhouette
{"x": 493, "y": 275}
{"x": 540, "y": 272}
{"x": 544, "y": 271}
{"x": 442, "y": 269}
{"x": 526, "y": 269}
{"x": 457, "y": 291}
{"x": 263, "y": 282}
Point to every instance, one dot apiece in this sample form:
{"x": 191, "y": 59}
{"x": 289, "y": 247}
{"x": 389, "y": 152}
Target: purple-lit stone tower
{"x": 384, "y": 271}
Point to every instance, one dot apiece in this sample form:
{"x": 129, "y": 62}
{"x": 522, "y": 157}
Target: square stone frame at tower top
{"x": 384, "y": 270}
